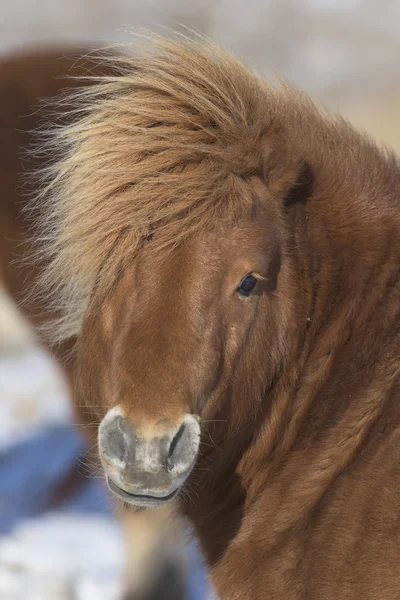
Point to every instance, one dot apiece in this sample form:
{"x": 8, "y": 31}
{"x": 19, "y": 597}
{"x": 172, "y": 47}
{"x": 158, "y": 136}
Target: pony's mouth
{"x": 142, "y": 500}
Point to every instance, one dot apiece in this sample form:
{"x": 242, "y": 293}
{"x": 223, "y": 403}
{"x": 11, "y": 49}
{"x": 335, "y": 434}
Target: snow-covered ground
{"x": 62, "y": 556}
{"x": 33, "y": 395}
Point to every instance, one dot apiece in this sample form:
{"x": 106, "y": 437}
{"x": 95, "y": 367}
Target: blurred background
{"x": 345, "y": 53}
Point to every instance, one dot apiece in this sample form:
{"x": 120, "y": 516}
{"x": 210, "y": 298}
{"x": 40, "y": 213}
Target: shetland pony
{"x": 227, "y": 257}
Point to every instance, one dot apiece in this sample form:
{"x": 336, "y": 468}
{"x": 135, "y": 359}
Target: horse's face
{"x": 162, "y": 351}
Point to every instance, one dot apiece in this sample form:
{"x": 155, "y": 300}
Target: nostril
{"x": 113, "y": 443}
{"x": 183, "y": 447}
{"x": 176, "y": 440}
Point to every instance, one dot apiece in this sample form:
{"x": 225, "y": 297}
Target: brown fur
{"x": 178, "y": 176}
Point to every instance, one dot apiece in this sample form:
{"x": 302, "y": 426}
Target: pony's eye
{"x": 247, "y": 285}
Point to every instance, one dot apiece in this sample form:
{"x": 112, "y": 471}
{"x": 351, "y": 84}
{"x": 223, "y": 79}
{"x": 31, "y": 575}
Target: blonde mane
{"x": 167, "y": 138}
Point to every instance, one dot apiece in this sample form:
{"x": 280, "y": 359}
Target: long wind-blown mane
{"x": 165, "y": 140}
{"x": 163, "y": 143}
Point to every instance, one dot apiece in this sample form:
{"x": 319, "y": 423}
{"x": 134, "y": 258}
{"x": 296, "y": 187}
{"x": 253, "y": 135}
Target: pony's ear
{"x": 282, "y": 165}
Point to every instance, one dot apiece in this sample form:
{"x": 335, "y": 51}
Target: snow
{"x": 33, "y": 395}
{"x": 62, "y": 557}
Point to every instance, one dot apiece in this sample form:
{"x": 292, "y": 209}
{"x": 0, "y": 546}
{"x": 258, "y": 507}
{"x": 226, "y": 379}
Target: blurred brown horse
{"x": 228, "y": 257}
{"x": 154, "y": 566}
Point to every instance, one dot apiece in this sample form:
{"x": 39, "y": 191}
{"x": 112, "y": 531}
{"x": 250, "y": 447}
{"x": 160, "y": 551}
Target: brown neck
{"x": 320, "y": 412}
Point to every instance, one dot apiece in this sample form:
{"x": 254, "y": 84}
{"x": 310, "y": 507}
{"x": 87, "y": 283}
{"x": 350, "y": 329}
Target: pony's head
{"x": 167, "y": 243}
